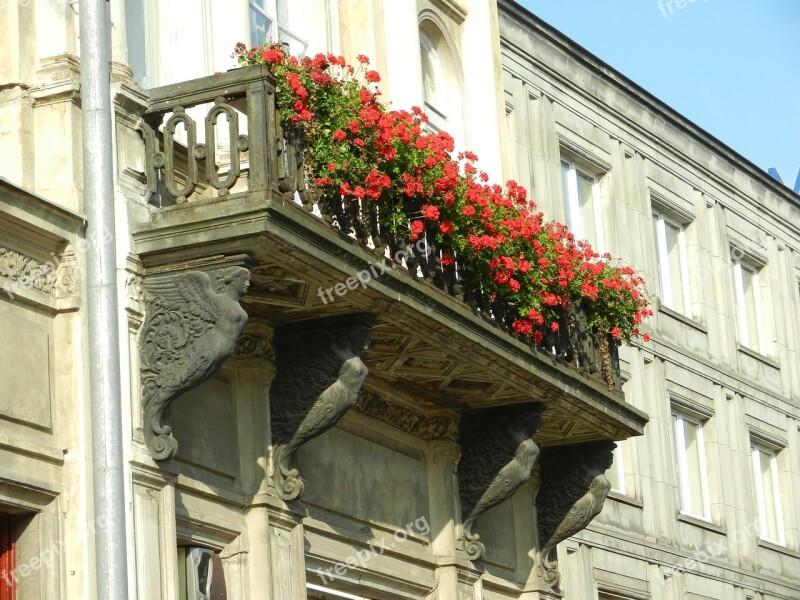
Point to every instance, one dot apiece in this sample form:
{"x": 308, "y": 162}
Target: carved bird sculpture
{"x": 507, "y": 480}
{"x": 498, "y": 455}
{"x": 586, "y": 508}
{"x": 189, "y": 330}
{"x": 328, "y": 409}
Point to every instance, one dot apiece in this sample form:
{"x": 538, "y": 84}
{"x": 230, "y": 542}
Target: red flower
{"x": 271, "y": 56}
{"x": 362, "y": 59}
{"x": 446, "y": 227}
{"x": 554, "y": 326}
{"x": 448, "y": 259}
{"x": 615, "y": 332}
{"x": 430, "y": 212}
{"x": 522, "y": 326}
{"x": 468, "y": 210}
{"x": 339, "y": 135}
{"x": 646, "y": 337}
{"x": 417, "y": 227}
{"x": 372, "y": 76}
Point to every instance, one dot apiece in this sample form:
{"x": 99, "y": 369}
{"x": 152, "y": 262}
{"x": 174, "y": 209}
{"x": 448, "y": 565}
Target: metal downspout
{"x": 104, "y": 355}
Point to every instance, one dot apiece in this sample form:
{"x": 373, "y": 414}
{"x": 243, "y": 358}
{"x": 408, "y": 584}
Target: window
{"x": 8, "y": 561}
{"x": 441, "y": 83}
{"x": 748, "y": 305}
{"x": 768, "y": 494}
{"x": 616, "y": 472}
{"x": 200, "y": 573}
{"x": 270, "y": 21}
{"x": 691, "y": 463}
{"x": 673, "y": 272}
{"x": 582, "y": 204}
{"x": 318, "y": 592}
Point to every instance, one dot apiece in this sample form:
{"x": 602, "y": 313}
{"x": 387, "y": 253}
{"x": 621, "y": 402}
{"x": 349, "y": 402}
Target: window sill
{"x": 758, "y": 356}
{"x": 778, "y": 548}
{"x": 697, "y": 522}
{"x": 625, "y": 499}
{"x": 682, "y": 318}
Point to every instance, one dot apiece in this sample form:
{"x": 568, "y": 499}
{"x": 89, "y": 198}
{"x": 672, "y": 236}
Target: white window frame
{"x": 331, "y": 593}
{"x": 619, "y": 465}
{"x": 662, "y": 256}
{"x": 573, "y": 216}
{"x": 759, "y": 344}
{"x": 278, "y": 29}
{"x": 756, "y": 450}
{"x": 684, "y": 487}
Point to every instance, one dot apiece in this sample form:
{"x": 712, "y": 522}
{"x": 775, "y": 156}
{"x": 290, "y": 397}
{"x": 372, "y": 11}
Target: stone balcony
{"x": 225, "y": 186}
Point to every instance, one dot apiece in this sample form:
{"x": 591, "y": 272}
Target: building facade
{"x": 704, "y": 504}
{"x": 347, "y": 448}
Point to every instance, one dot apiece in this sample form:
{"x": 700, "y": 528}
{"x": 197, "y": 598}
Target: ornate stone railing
{"x": 218, "y": 137}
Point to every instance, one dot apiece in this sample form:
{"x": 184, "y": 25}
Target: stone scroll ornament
{"x": 497, "y": 457}
{"x": 572, "y": 491}
{"x": 317, "y": 380}
{"x": 191, "y": 326}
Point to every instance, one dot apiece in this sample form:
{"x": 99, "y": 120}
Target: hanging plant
{"x": 358, "y": 150}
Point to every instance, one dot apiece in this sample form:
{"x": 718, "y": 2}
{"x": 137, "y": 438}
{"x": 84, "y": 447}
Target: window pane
{"x": 770, "y": 501}
{"x": 749, "y": 293}
{"x": 565, "y": 187}
{"x": 586, "y": 206}
{"x": 673, "y": 233}
{"x": 694, "y": 465}
{"x": 614, "y": 473}
{"x": 259, "y": 27}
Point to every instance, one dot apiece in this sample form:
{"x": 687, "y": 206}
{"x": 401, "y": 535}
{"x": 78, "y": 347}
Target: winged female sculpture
{"x": 189, "y": 330}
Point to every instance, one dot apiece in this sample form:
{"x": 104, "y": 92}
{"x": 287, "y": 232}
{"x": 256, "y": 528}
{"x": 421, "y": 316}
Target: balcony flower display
{"x": 358, "y": 151}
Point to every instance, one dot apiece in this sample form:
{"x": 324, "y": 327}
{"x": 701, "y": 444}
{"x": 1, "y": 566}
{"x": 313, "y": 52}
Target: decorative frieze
{"x": 572, "y": 491}
{"x": 426, "y": 427}
{"x": 497, "y": 456}
{"x": 191, "y": 326}
{"x": 24, "y": 272}
{"x": 318, "y": 377}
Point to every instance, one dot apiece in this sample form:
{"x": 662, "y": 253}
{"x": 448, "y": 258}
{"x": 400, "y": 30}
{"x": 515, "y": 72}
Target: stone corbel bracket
{"x": 572, "y": 491}
{"x": 497, "y": 456}
{"x": 317, "y": 380}
{"x": 192, "y": 322}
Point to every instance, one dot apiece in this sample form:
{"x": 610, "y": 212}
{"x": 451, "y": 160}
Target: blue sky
{"x": 730, "y": 66}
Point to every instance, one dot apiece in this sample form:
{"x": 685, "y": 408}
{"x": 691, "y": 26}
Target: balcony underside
{"x": 428, "y": 349}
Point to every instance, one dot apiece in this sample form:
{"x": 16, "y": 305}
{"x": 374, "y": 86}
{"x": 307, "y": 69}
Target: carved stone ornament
{"x": 191, "y": 326}
{"x": 317, "y": 380}
{"x": 23, "y": 272}
{"x": 255, "y": 341}
{"x": 572, "y": 492}
{"x": 497, "y": 457}
{"x": 425, "y": 427}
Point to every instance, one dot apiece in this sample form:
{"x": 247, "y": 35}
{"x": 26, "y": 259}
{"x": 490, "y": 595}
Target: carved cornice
{"x": 572, "y": 491}
{"x": 417, "y": 424}
{"x": 318, "y": 377}
{"x": 51, "y": 277}
{"x": 497, "y": 456}
{"x": 189, "y": 330}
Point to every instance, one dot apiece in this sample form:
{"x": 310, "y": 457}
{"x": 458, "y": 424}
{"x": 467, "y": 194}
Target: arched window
{"x": 441, "y": 83}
